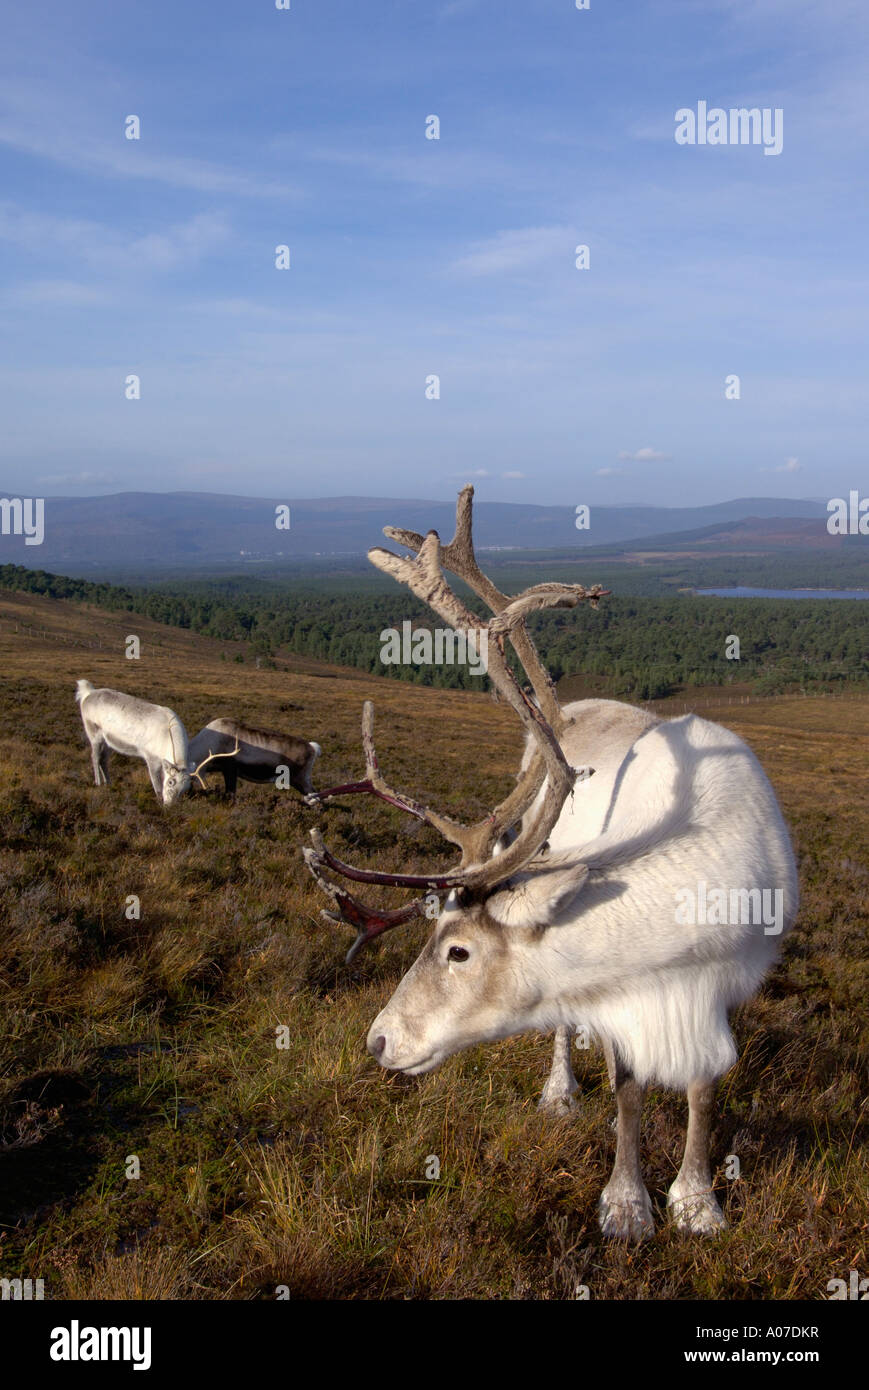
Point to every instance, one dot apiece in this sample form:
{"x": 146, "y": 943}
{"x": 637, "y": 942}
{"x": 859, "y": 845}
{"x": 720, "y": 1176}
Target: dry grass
{"x": 306, "y": 1166}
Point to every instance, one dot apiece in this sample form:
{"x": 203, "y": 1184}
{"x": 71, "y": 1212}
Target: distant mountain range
{"x": 143, "y": 530}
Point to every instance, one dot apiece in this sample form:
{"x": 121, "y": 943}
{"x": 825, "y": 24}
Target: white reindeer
{"x": 584, "y": 920}
{"x": 126, "y": 724}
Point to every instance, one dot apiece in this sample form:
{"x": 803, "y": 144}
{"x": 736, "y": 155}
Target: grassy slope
{"x": 306, "y": 1166}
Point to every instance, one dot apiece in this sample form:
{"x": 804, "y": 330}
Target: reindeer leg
{"x": 625, "y": 1210}
{"x": 99, "y": 752}
{"x": 691, "y": 1202}
{"x": 155, "y": 772}
{"x": 307, "y": 781}
{"x": 100, "y": 760}
{"x": 561, "y": 1084}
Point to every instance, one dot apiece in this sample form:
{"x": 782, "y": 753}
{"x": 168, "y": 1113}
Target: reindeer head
{"x": 176, "y": 781}
{"x": 476, "y": 980}
{"x": 465, "y": 987}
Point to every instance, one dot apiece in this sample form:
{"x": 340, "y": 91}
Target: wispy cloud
{"x": 110, "y": 248}
{"x": 59, "y": 294}
{"x": 39, "y": 122}
{"x": 645, "y": 455}
{"x": 83, "y": 479}
{"x": 419, "y": 165}
{"x": 517, "y": 250}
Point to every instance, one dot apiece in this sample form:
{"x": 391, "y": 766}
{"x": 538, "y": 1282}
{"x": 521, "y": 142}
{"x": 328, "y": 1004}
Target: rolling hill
{"x": 145, "y": 530}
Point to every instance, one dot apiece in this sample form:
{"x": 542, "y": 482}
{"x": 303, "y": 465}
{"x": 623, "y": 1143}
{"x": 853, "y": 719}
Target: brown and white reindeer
{"x": 258, "y": 755}
{"x": 597, "y": 914}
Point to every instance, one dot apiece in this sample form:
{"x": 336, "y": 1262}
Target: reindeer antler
{"x": 542, "y": 717}
{"x": 369, "y": 922}
{"x": 458, "y": 557}
{"x": 374, "y": 784}
{"x": 197, "y": 771}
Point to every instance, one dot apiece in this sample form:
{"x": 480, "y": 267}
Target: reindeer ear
{"x": 538, "y": 898}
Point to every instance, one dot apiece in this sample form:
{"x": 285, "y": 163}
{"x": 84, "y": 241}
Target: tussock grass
{"x": 305, "y": 1165}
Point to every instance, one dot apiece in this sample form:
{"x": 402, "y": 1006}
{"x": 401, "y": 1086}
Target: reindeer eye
{"x": 457, "y": 953}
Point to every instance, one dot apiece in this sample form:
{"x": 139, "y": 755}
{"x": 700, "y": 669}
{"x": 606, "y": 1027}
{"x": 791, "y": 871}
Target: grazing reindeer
{"x": 125, "y": 724}
{"x": 581, "y": 920}
{"x": 257, "y": 756}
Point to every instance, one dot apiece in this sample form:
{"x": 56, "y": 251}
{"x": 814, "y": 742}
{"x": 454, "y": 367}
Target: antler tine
{"x": 459, "y": 558}
{"x": 541, "y": 596}
{"x": 368, "y": 922}
{"x": 320, "y": 856}
{"x": 374, "y": 785}
{"x": 197, "y": 771}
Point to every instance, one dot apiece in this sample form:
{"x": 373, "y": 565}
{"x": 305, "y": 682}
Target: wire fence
{"x": 690, "y": 706}
{"x": 10, "y": 627}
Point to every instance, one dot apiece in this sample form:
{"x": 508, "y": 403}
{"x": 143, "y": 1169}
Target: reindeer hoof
{"x": 696, "y": 1212}
{"x": 629, "y": 1218}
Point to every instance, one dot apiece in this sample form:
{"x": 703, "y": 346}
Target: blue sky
{"x": 412, "y": 257}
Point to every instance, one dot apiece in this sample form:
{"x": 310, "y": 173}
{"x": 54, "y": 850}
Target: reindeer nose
{"x": 377, "y": 1046}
